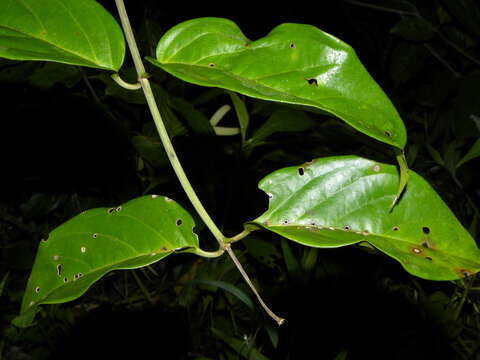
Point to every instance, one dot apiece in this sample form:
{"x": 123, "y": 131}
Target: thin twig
{"x": 381, "y": 8}
{"x": 441, "y": 60}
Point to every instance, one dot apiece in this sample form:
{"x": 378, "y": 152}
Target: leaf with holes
{"x": 82, "y": 250}
{"x": 76, "y": 32}
{"x": 338, "y": 201}
{"x": 294, "y": 63}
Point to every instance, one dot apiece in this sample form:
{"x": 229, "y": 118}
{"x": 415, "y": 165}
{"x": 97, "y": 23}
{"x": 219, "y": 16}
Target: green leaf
{"x": 414, "y": 29}
{"x": 76, "y": 32}
{"x": 82, "y": 250}
{"x": 282, "y": 120}
{"x": 232, "y": 289}
{"x": 339, "y": 201}
{"x": 294, "y": 63}
{"x": 242, "y": 114}
{"x": 471, "y": 154}
{"x": 3, "y": 282}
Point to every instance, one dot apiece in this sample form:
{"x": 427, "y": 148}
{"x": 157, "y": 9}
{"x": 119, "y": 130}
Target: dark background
{"x": 68, "y": 145}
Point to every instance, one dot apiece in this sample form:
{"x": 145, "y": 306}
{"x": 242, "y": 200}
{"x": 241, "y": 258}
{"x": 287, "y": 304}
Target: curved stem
{"x": 125, "y": 84}
{"x": 172, "y": 156}
{"x": 238, "y": 237}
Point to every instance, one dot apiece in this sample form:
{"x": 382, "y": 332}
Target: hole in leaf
{"x": 376, "y": 168}
{"x": 37, "y": 289}
{"x": 346, "y": 228}
{"x": 118, "y": 209}
{"x": 270, "y": 195}
{"x": 426, "y": 244}
{"x": 301, "y": 171}
{"x": 292, "y": 45}
{"x": 426, "y": 230}
{"x": 285, "y": 222}
{"x": 416, "y": 251}
{"x": 179, "y": 222}
{"x": 312, "y": 81}
{"x": 163, "y": 248}
{"x": 83, "y": 249}
{"x": 395, "y": 228}
{"x": 94, "y": 235}
{"x": 211, "y": 65}
{"x": 79, "y": 275}
{"x": 59, "y": 269}
{"x": 428, "y": 258}
{"x": 111, "y": 210}
{"x": 45, "y": 239}
{"x": 388, "y": 133}
{"x": 65, "y": 280}
{"x": 465, "y": 273}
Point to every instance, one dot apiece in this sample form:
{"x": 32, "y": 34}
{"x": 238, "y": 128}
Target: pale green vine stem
{"x": 125, "y": 84}
{"x": 172, "y": 156}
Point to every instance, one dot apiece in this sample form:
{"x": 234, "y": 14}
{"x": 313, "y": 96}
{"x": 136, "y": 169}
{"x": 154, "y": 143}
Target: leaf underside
{"x": 76, "y": 32}
{"x": 82, "y": 250}
{"x": 294, "y": 63}
{"x": 338, "y": 201}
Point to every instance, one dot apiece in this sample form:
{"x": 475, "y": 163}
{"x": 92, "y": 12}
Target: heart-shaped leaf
{"x": 294, "y": 63}
{"x": 76, "y": 32}
{"x": 339, "y": 201}
{"x": 82, "y": 250}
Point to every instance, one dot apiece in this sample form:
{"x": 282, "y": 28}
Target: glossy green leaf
{"x": 471, "y": 154}
{"x": 76, "y": 32}
{"x": 339, "y": 201}
{"x": 82, "y": 250}
{"x": 294, "y": 63}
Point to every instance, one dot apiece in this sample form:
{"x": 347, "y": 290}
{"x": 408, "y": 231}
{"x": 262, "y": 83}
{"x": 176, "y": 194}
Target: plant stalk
{"x": 172, "y": 156}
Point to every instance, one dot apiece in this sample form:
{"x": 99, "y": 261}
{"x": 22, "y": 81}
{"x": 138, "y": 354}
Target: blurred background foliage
{"x": 72, "y": 140}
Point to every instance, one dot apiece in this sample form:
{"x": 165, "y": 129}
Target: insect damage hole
{"x": 95, "y": 235}
{"x": 83, "y": 249}
{"x": 426, "y": 230}
{"x": 301, "y": 172}
{"x": 37, "y": 289}
{"x": 312, "y": 81}
{"x": 211, "y": 65}
{"x": 376, "y": 168}
{"x": 118, "y": 209}
{"x": 179, "y": 222}
{"x": 111, "y": 210}
{"x": 59, "y": 269}
{"x": 387, "y": 133}
{"x": 346, "y": 228}
{"x": 292, "y": 45}
{"x": 396, "y": 228}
